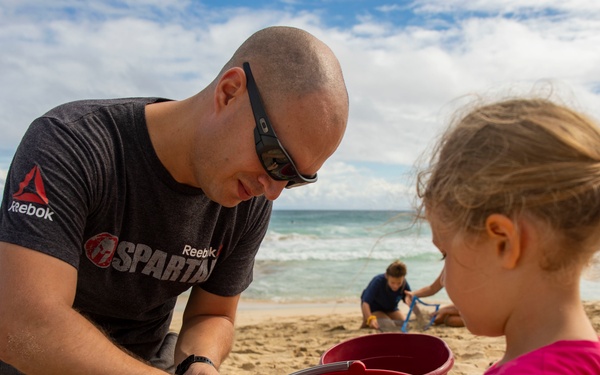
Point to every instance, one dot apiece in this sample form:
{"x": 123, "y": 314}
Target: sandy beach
{"x": 279, "y": 339}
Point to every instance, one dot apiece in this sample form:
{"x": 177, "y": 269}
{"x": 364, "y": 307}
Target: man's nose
{"x": 272, "y": 187}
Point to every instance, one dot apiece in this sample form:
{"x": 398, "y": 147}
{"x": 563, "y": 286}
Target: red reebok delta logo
{"x": 34, "y": 194}
{"x": 31, "y": 190}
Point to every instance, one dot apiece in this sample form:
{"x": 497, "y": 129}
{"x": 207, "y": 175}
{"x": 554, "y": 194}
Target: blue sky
{"x": 408, "y": 66}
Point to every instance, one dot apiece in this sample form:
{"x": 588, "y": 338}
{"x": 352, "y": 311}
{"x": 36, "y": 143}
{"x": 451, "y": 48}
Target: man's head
{"x": 301, "y": 90}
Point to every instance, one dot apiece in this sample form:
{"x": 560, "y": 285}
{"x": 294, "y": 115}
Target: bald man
{"x": 113, "y": 208}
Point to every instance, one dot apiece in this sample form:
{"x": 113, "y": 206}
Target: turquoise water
{"x": 316, "y": 256}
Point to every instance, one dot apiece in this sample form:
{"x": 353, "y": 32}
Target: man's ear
{"x": 506, "y": 237}
{"x": 231, "y": 85}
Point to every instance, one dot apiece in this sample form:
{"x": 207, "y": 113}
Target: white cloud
{"x": 344, "y": 186}
{"x": 522, "y": 7}
{"x": 402, "y": 79}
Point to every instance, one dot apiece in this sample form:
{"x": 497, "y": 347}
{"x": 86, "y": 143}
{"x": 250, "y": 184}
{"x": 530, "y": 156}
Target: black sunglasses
{"x": 273, "y": 157}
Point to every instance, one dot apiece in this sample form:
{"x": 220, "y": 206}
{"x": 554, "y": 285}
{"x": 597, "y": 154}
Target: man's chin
{"x": 227, "y": 202}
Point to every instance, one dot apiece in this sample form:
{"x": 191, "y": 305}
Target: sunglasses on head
{"x": 273, "y": 157}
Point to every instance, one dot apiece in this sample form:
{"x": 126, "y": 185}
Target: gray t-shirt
{"x": 86, "y": 187}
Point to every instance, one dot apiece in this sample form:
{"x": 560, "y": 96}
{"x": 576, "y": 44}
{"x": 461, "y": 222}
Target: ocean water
{"x": 324, "y": 256}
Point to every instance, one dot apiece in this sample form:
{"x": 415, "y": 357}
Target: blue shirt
{"x": 381, "y": 297}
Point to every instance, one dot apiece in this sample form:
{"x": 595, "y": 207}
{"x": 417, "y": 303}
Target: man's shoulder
{"x": 72, "y": 111}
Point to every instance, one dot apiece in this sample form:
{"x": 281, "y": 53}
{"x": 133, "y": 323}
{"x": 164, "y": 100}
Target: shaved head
{"x": 289, "y": 63}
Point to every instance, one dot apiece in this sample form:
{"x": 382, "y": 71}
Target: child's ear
{"x": 506, "y": 237}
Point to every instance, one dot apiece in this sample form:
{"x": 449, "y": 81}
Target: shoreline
{"x": 252, "y": 311}
{"x": 257, "y": 311}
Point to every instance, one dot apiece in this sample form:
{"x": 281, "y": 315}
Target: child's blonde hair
{"x": 515, "y": 157}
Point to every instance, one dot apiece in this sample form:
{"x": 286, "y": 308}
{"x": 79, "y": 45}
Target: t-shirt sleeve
{"x": 47, "y": 193}
{"x": 370, "y": 291}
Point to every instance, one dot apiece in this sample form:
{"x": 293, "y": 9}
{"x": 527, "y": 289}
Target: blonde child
{"x": 512, "y": 195}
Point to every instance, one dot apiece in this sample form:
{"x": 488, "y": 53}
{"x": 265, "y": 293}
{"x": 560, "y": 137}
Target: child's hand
{"x": 372, "y": 322}
{"x": 408, "y": 296}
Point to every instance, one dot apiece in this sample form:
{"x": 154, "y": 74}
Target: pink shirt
{"x": 559, "y": 358}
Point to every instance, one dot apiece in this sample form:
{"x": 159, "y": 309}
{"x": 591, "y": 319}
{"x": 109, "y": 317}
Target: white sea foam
{"x": 325, "y": 255}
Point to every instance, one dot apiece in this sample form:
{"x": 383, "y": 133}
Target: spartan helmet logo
{"x": 101, "y": 248}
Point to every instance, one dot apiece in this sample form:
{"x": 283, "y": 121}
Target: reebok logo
{"x": 199, "y": 253}
{"x": 31, "y": 190}
{"x": 31, "y": 210}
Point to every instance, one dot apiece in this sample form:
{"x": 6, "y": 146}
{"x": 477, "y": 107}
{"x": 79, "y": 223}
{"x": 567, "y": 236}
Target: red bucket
{"x": 400, "y": 353}
{"x": 345, "y": 368}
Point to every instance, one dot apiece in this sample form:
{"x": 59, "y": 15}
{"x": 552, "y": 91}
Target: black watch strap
{"x": 186, "y": 363}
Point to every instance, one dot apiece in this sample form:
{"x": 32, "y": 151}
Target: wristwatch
{"x": 186, "y": 363}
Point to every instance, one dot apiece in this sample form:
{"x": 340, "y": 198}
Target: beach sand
{"x": 279, "y": 339}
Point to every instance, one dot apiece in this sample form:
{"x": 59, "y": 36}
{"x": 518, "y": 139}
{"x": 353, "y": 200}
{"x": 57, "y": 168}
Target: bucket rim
{"x": 444, "y": 368}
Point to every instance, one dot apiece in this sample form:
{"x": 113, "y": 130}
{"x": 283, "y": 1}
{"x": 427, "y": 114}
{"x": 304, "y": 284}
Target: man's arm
{"x": 207, "y": 330}
{"x": 40, "y": 332}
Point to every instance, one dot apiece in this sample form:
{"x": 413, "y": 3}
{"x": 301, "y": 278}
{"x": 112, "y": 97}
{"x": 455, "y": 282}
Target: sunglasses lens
{"x": 288, "y": 170}
{"x": 278, "y": 165}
